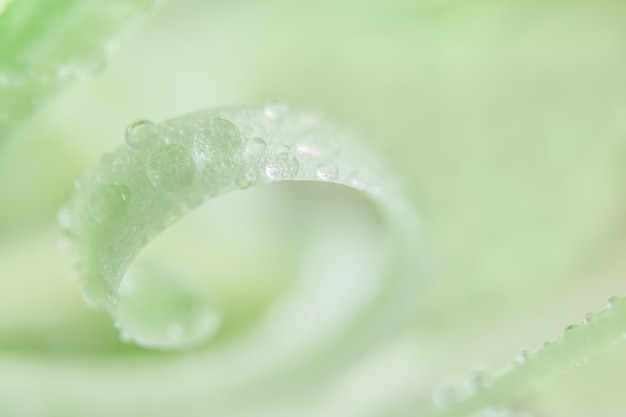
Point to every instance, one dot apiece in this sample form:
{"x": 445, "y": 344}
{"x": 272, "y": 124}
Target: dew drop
{"x": 203, "y": 150}
{"x": 588, "y": 318}
{"x": 252, "y": 177}
{"x": 217, "y": 137}
{"x": 567, "y": 333}
{"x": 139, "y": 133}
{"x": 112, "y": 296}
{"x": 170, "y": 167}
{"x": 274, "y": 109}
{"x": 119, "y": 164}
{"x": 256, "y": 146}
{"x": 612, "y": 302}
{"x": 476, "y": 380}
{"x": 273, "y": 171}
{"x": 243, "y": 183}
{"x": 82, "y": 180}
{"x": 327, "y": 172}
{"x": 284, "y": 166}
{"x": 571, "y": 327}
{"x": 228, "y": 138}
{"x": 356, "y": 181}
{"x": 317, "y": 142}
{"x": 109, "y": 201}
{"x": 94, "y": 291}
{"x": 522, "y": 356}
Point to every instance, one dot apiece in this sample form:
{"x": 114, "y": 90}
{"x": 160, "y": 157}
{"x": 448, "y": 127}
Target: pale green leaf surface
{"x": 505, "y": 118}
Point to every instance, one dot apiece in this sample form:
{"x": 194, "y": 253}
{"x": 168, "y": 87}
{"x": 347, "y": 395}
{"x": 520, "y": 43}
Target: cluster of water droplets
{"x": 169, "y": 162}
{"x": 219, "y": 153}
{"x": 218, "y": 149}
{"x": 283, "y": 164}
{"x": 178, "y": 164}
{"x": 287, "y": 148}
{"x": 572, "y": 348}
{"x": 450, "y": 393}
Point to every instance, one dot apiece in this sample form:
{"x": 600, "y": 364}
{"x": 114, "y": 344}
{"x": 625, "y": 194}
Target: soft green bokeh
{"x": 506, "y": 119}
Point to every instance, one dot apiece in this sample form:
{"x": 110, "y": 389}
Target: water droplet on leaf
{"x": 522, "y": 356}
{"x": 140, "y": 133}
{"x": 256, "y": 146}
{"x": 327, "y": 172}
{"x": 274, "y": 109}
{"x": 613, "y": 302}
{"x": 243, "y": 183}
{"x": 171, "y": 167}
{"x": 112, "y": 296}
{"x": 476, "y": 380}
{"x": 356, "y": 181}
{"x": 227, "y": 136}
{"x": 109, "y": 201}
{"x": 217, "y": 137}
{"x": 571, "y": 327}
{"x": 82, "y": 180}
{"x": 284, "y": 166}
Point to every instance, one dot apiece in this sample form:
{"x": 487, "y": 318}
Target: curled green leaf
{"x": 164, "y": 170}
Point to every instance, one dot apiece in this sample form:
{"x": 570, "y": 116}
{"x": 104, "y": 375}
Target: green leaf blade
{"x": 45, "y": 46}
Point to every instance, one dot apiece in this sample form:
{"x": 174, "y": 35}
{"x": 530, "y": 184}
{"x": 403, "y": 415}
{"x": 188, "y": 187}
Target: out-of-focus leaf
{"x": 45, "y": 45}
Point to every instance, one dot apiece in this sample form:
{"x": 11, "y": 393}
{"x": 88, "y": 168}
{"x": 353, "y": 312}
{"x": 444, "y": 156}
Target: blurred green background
{"x": 507, "y": 119}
